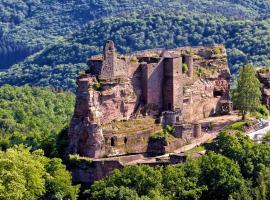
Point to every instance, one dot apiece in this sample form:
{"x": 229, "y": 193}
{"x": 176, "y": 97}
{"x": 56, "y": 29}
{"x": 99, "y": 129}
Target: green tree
{"x": 21, "y": 175}
{"x": 138, "y": 180}
{"x": 36, "y": 117}
{"x": 26, "y": 175}
{"x": 221, "y": 176}
{"x": 247, "y": 94}
{"x": 181, "y": 182}
{"x": 266, "y": 138}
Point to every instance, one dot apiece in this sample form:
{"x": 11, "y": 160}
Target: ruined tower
{"x": 172, "y": 83}
{"x": 112, "y": 66}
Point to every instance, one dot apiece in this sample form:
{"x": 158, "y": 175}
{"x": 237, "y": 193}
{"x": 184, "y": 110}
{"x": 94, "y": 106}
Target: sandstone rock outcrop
{"x": 190, "y": 83}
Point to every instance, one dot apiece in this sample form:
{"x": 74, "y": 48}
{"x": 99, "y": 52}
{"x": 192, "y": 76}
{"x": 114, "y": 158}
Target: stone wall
{"x": 264, "y": 78}
{"x": 152, "y": 82}
{"x": 147, "y": 83}
{"x": 172, "y": 84}
{"x": 112, "y": 67}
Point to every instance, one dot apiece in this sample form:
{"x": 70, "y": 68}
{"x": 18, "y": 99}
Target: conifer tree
{"x": 246, "y": 96}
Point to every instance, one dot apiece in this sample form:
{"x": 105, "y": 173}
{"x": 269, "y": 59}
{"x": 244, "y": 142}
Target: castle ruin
{"x": 123, "y": 100}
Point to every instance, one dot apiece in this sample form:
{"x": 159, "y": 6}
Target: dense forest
{"x": 27, "y": 26}
{"x": 34, "y": 117}
{"x": 59, "y": 64}
{"x": 33, "y": 132}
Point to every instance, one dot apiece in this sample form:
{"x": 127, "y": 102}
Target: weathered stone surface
{"x": 147, "y": 83}
{"x": 264, "y": 77}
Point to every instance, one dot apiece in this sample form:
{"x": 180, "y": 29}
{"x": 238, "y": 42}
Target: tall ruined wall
{"x": 152, "y": 86}
{"x": 206, "y": 91}
{"x": 119, "y": 87}
{"x": 172, "y": 84}
{"x": 112, "y": 67}
{"x": 264, "y": 77}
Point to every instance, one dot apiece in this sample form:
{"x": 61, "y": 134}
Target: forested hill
{"x": 59, "y": 64}
{"x": 29, "y": 25}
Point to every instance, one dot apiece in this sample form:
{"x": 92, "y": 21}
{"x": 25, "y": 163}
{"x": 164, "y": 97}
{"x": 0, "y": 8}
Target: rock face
{"x": 264, "y": 78}
{"x": 178, "y": 86}
{"x": 86, "y": 136}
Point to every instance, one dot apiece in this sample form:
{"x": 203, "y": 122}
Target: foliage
{"x": 34, "y": 117}
{"x": 165, "y": 134}
{"x": 27, "y": 26}
{"x": 211, "y": 176}
{"x": 97, "y": 86}
{"x": 78, "y": 161}
{"x": 221, "y": 176}
{"x": 26, "y": 175}
{"x": 246, "y": 96}
{"x": 252, "y": 158}
{"x": 135, "y": 180}
{"x": 168, "y": 130}
{"x": 261, "y": 112}
{"x": 266, "y": 137}
{"x": 184, "y": 68}
{"x": 157, "y": 136}
{"x": 233, "y": 168}
{"x": 246, "y": 41}
{"x": 239, "y": 125}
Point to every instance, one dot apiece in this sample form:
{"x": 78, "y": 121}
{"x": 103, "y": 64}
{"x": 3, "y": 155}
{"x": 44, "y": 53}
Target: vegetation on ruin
{"x": 184, "y": 68}
{"x": 247, "y": 94}
{"x": 233, "y": 168}
{"x": 97, "y": 86}
{"x": 261, "y": 112}
{"x": 79, "y": 161}
{"x": 166, "y": 134}
{"x": 266, "y": 138}
{"x": 132, "y": 126}
{"x": 36, "y": 117}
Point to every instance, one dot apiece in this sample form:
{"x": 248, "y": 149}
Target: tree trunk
{"x": 244, "y": 115}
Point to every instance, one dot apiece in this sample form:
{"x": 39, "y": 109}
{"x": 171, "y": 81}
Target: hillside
{"x": 34, "y": 117}
{"x": 58, "y": 65}
{"x": 28, "y": 26}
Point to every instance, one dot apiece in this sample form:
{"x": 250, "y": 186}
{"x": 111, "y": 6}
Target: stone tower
{"x": 109, "y": 62}
{"x": 112, "y": 67}
{"x": 172, "y": 84}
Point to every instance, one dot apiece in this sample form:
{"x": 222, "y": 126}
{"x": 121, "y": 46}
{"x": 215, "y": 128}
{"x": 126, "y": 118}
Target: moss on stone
{"x": 184, "y": 68}
{"x": 78, "y": 161}
{"x": 97, "y": 86}
{"x": 217, "y": 50}
{"x": 133, "y": 60}
{"x": 132, "y": 126}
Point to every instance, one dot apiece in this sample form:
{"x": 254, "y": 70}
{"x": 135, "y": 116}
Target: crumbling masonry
{"x": 176, "y": 87}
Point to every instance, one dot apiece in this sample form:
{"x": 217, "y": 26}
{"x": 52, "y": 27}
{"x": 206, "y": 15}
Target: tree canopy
{"x": 247, "y": 94}
{"x": 26, "y": 175}
{"x": 246, "y": 41}
{"x": 34, "y": 117}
